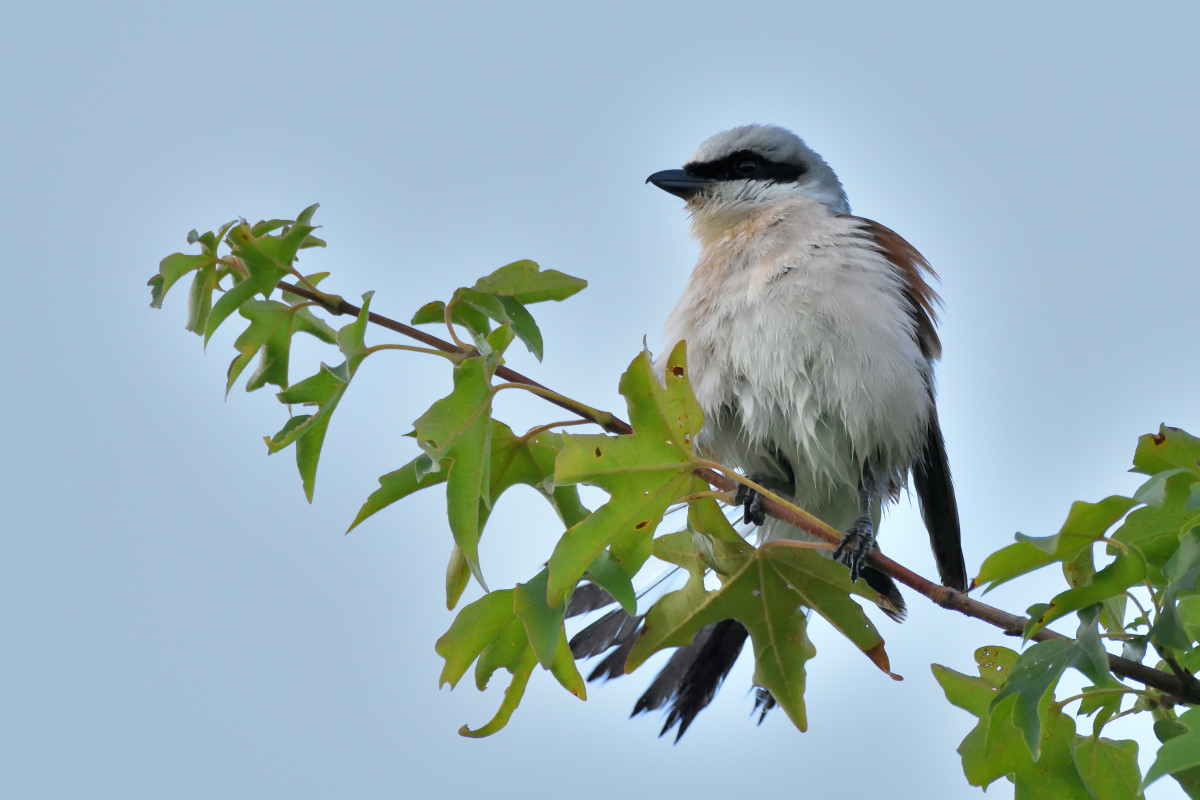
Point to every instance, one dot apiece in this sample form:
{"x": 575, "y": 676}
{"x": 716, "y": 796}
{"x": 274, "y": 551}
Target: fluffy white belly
{"x": 806, "y": 356}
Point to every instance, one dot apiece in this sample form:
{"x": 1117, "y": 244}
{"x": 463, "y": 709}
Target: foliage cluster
{"x": 1131, "y": 564}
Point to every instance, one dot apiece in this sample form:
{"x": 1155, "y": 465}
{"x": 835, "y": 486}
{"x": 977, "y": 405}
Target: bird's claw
{"x": 751, "y": 503}
{"x": 855, "y": 546}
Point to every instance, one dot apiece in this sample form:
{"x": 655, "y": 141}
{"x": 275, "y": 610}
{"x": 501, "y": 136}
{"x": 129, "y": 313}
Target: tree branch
{"x": 1181, "y": 689}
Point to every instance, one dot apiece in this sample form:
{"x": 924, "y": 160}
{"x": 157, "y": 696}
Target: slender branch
{"x": 1180, "y": 689}
{"x": 339, "y": 305}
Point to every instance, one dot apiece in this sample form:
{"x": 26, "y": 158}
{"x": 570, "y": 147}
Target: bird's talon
{"x": 751, "y": 503}
{"x": 854, "y": 547}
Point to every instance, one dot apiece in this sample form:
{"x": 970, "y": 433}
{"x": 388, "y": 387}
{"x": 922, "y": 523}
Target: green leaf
{"x": 1086, "y": 523}
{"x": 525, "y": 283}
{"x": 504, "y": 310}
{"x": 323, "y": 390}
{"x": 523, "y": 325}
{"x": 1109, "y": 768}
{"x": 1069, "y": 766}
{"x": 171, "y": 269}
{"x": 543, "y": 622}
{"x": 457, "y": 429}
{"x": 1038, "y": 670}
{"x": 1127, "y": 569}
{"x": 464, "y": 315}
{"x": 1170, "y": 448}
{"x": 1182, "y": 571}
{"x": 1180, "y": 753}
{"x": 420, "y": 473}
{"x": 200, "y": 298}
{"x": 472, "y": 631}
{"x": 490, "y": 633}
{"x": 458, "y": 574}
{"x": 643, "y": 473}
{"x": 266, "y": 257}
{"x": 606, "y": 572}
{"x": 767, "y": 589}
{"x": 269, "y": 333}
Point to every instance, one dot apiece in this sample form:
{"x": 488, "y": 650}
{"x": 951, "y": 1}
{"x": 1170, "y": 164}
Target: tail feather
{"x": 935, "y": 491}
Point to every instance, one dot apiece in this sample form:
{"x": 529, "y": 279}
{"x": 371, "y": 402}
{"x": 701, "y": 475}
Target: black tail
{"x": 893, "y": 602}
{"x": 692, "y": 676}
{"x": 935, "y": 491}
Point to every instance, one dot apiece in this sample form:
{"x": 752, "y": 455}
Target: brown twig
{"x": 1183, "y": 689}
{"x": 339, "y": 305}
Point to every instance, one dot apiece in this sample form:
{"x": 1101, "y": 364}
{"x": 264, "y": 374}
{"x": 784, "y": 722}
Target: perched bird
{"x": 811, "y": 343}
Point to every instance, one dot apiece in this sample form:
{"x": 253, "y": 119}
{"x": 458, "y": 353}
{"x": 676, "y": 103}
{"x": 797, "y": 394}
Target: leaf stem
{"x": 457, "y": 358}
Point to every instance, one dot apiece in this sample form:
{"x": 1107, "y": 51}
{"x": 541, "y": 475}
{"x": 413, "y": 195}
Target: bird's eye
{"x": 746, "y": 166}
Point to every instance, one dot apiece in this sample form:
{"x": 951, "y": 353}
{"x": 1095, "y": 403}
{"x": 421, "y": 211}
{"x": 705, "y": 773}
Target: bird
{"x": 811, "y": 341}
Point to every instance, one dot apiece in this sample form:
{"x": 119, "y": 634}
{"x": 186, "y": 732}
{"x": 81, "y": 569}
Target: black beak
{"x": 679, "y": 183}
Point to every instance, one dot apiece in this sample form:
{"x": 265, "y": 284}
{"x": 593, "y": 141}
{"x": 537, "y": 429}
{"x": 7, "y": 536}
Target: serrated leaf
{"x": 1085, "y": 523}
{"x": 643, "y": 473}
{"x": 767, "y": 589}
{"x": 525, "y": 282}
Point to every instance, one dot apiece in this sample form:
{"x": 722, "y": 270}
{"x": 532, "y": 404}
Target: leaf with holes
{"x": 643, "y": 473}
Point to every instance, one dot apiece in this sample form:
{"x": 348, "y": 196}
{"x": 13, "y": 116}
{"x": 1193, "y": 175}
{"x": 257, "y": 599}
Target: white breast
{"x": 801, "y": 341}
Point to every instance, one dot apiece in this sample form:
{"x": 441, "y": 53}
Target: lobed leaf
{"x": 491, "y": 633}
{"x": 1068, "y": 765}
{"x": 266, "y": 259}
{"x": 525, "y": 282}
{"x": 1037, "y": 671}
{"x": 1180, "y": 753}
{"x": 767, "y": 589}
{"x": 1085, "y": 523}
{"x": 643, "y": 473}
{"x": 457, "y": 429}
{"x": 323, "y": 390}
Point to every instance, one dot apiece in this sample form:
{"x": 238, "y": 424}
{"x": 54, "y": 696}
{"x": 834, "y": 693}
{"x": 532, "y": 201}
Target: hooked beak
{"x": 679, "y": 183}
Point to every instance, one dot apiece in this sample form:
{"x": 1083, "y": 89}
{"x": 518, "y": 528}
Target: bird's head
{"x": 737, "y": 171}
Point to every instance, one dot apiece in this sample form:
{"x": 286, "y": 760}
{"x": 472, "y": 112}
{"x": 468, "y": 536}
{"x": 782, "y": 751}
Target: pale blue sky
{"x": 179, "y": 623}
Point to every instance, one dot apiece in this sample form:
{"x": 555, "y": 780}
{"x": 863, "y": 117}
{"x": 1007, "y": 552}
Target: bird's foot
{"x": 751, "y": 500}
{"x": 855, "y": 546}
{"x": 751, "y": 503}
